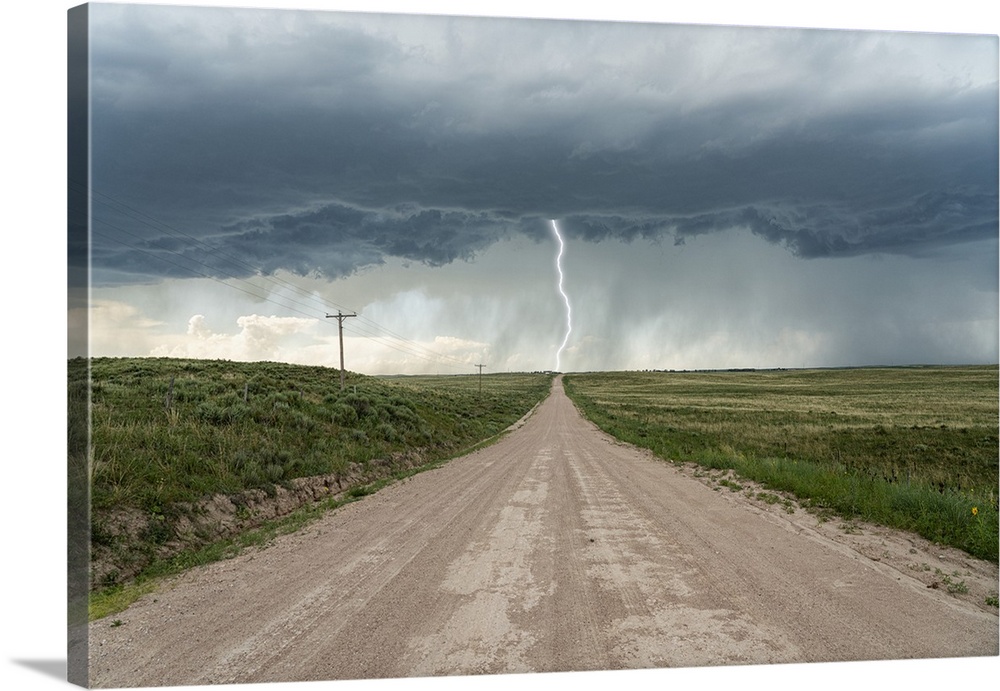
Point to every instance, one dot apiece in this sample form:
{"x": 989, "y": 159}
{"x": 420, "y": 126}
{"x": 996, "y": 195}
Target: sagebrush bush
{"x": 344, "y": 415}
{"x": 387, "y": 432}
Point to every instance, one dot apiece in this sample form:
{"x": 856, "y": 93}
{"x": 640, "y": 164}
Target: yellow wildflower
{"x": 975, "y": 510}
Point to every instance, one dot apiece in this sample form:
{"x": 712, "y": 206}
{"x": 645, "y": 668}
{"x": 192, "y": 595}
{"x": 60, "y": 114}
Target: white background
{"x": 33, "y": 385}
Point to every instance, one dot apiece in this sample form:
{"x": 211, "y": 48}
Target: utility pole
{"x": 480, "y": 378}
{"x": 340, "y": 328}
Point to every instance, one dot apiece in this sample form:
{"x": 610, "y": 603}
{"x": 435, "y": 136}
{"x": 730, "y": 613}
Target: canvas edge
{"x": 78, "y": 366}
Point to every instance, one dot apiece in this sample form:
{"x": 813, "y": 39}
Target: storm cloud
{"x": 228, "y": 142}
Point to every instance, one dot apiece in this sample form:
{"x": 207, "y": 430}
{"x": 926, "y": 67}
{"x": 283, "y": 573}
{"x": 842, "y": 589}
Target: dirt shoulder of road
{"x": 950, "y": 570}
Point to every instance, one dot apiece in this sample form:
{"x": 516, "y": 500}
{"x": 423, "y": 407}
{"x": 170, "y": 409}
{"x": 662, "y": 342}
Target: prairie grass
{"x": 234, "y": 426}
{"x": 913, "y": 448}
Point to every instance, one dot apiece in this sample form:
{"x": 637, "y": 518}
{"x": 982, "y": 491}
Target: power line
{"x": 402, "y": 348}
{"x": 188, "y": 268}
{"x": 149, "y": 221}
{"x": 162, "y": 227}
{"x": 166, "y": 229}
{"x": 402, "y": 344}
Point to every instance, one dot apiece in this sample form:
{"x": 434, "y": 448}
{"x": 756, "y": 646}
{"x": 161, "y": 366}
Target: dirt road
{"x": 556, "y": 549}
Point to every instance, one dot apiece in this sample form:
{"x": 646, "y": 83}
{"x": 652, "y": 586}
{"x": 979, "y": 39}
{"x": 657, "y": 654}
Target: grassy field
{"x": 166, "y": 433}
{"x": 913, "y": 448}
{"x": 230, "y": 426}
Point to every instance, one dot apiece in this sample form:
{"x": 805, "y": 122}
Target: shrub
{"x": 215, "y": 414}
{"x": 386, "y": 431}
{"x": 344, "y": 415}
{"x": 362, "y": 406}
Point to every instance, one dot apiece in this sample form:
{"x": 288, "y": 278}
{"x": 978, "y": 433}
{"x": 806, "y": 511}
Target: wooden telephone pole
{"x": 480, "y": 378}
{"x": 340, "y": 328}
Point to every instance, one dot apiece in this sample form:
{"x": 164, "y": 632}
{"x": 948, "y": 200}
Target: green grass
{"x": 294, "y": 422}
{"x": 911, "y": 448}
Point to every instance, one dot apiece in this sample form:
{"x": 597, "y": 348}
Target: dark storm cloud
{"x": 335, "y": 239}
{"x": 918, "y": 225}
{"x": 323, "y": 142}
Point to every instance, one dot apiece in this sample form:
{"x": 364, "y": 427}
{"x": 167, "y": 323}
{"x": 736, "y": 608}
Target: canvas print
{"x": 407, "y": 346}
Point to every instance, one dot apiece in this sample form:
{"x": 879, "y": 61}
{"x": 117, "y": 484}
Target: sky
{"x": 729, "y": 196}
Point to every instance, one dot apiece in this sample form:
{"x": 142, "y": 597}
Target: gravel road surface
{"x": 555, "y": 549}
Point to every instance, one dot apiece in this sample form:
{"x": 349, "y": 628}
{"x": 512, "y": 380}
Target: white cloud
{"x": 197, "y": 327}
{"x": 259, "y": 338}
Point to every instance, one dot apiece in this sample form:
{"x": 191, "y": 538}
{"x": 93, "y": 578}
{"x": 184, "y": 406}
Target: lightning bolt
{"x": 569, "y": 310}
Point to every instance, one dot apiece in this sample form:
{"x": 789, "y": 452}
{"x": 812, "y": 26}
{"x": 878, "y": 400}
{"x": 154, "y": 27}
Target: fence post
{"x": 170, "y": 393}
